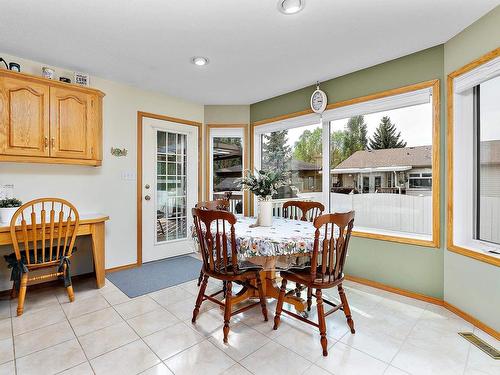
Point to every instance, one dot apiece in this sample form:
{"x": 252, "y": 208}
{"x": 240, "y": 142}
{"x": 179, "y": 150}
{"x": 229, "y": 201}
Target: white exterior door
{"x": 170, "y": 188}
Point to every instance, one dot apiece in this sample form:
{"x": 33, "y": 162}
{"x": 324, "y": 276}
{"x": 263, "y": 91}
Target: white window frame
{"x": 389, "y": 100}
{"x": 463, "y": 197}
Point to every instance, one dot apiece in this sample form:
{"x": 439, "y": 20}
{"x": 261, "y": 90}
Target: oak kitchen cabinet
{"x": 45, "y": 121}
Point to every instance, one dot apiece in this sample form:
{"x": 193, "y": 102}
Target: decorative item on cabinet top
{"x": 47, "y": 121}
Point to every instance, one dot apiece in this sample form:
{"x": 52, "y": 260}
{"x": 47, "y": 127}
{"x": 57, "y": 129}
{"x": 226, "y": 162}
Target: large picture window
{"x": 377, "y": 155}
{"x": 381, "y": 167}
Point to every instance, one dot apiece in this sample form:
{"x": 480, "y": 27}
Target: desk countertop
{"x": 85, "y": 218}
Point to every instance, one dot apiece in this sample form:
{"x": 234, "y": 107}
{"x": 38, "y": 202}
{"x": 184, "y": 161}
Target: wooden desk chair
{"x": 326, "y": 271}
{"x": 45, "y": 240}
{"x": 215, "y": 231}
{"x": 304, "y": 211}
{"x": 218, "y": 204}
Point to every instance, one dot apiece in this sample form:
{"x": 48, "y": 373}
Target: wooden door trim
{"x": 246, "y": 159}
{"x": 140, "y": 116}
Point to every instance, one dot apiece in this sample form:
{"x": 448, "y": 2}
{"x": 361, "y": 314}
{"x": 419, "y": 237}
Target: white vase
{"x": 265, "y": 213}
{"x": 6, "y": 214}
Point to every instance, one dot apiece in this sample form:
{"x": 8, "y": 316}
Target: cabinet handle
{"x": 53, "y": 142}
{"x": 46, "y": 142}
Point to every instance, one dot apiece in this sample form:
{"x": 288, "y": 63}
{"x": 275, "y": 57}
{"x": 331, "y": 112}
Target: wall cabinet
{"x": 46, "y": 121}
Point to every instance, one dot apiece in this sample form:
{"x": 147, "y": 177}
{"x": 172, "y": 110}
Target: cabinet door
{"x": 24, "y": 116}
{"x": 71, "y": 115}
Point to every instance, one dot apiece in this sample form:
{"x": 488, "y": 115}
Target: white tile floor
{"x": 105, "y": 332}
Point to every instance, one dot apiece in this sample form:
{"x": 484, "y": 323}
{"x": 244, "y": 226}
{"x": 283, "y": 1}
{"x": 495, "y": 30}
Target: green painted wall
{"x": 415, "y": 68}
{"x": 473, "y": 286}
{"x": 414, "y": 268}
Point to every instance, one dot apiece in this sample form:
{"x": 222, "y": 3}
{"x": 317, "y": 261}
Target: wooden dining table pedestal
{"x": 271, "y": 290}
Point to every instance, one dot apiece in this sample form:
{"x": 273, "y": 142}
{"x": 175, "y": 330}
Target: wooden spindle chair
{"x": 303, "y": 211}
{"x": 326, "y": 271}
{"x": 217, "y": 204}
{"x": 45, "y": 238}
{"x": 215, "y": 232}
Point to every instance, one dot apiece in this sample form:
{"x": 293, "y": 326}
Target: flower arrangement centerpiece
{"x": 7, "y": 208}
{"x": 264, "y": 184}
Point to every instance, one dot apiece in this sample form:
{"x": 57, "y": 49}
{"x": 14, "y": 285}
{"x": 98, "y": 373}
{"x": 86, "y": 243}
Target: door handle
{"x": 46, "y": 142}
{"x": 147, "y": 197}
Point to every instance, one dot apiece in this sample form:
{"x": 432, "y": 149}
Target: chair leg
{"x": 200, "y": 278}
{"x": 347, "y": 310}
{"x": 227, "y": 309}
{"x": 69, "y": 289}
{"x": 13, "y": 292}
{"x": 309, "y": 298}
{"x": 199, "y": 300}
{"x": 279, "y": 306}
{"x": 22, "y": 294}
{"x": 298, "y": 290}
{"x": 261, "y": 296}
{"x": 321, "y": 321}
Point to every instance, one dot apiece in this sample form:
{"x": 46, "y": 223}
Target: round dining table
{"x": 287, "y": 244}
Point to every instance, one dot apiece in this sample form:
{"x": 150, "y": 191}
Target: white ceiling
{"x": 255, "y": 52}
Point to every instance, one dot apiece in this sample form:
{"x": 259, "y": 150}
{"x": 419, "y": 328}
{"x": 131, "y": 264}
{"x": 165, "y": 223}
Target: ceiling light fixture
{"x": 199, "y": 60}
{"x": 291, "y": 6}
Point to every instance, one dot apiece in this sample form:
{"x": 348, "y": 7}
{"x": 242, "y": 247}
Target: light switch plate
{"x": 128, "y": 176}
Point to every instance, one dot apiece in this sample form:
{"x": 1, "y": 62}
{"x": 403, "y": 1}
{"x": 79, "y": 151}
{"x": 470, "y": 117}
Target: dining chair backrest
{"x": 302, "y": 210}
{"x": 217, "y": 204}
{"x": 217, "y": 241}
{"x": 48, "y": 226}
{"x": 331, "y": 240}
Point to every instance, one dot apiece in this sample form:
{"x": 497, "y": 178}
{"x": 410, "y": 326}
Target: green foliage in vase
{"x": 264, "y": 183}
{"x": 10, "y": 203}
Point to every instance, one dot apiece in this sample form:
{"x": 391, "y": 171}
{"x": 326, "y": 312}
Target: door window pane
{"x": 297, "y": 151}
{"x": 171, "y": 186}
{"x": 227, "y": 168}
{"x": 381, "y": 167}
{"x": 488, "y": 168}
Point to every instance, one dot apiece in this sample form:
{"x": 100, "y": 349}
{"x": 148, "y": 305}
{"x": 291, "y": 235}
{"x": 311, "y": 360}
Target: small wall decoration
{"x": 48, "y": 73}
{"x": 118, "y": 152}
{"x": 82, "y": 79}
{"x": 15, "y": 67}
{"x": 65, "y": 79}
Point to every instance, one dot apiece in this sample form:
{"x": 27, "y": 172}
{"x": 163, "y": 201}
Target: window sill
{"x": 398, "y": 237}
{"x": 476, "y": 250}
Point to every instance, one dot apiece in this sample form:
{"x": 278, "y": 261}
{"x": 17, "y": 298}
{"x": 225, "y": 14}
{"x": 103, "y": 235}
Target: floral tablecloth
{"x": 286, "y": 244}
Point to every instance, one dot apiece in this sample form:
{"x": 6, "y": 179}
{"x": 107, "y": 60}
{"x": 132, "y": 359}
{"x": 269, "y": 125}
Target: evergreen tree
{"x": 355, "y": 136}
{"x": 276, "y": 153}
{"x": 386, "y": 136}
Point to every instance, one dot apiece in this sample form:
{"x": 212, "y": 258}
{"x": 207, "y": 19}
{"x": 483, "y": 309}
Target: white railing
{"x": 393, "y": 212}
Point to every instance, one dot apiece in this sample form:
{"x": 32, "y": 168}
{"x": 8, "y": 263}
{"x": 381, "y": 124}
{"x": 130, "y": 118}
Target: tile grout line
{"x": 12, "y": 334}
{"x": 78, "y": 340}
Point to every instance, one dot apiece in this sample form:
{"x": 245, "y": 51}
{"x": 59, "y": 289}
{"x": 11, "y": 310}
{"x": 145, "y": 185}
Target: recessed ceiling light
{"x": 199, "y": 60}
{"x": 291, "y": 6}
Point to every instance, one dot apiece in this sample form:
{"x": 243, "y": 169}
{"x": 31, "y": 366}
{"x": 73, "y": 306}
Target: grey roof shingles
{"x": 417, "y": 157}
